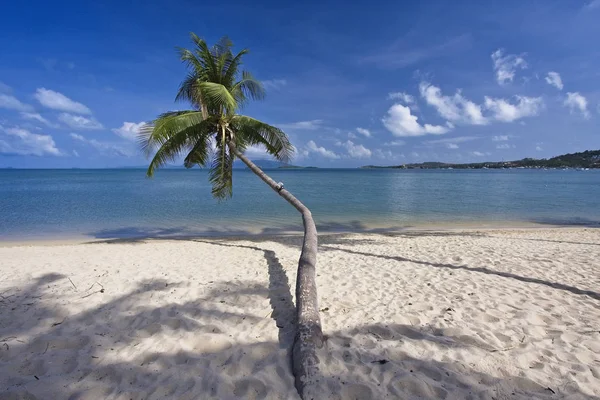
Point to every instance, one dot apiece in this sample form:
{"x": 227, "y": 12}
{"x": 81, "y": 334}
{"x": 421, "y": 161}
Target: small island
{"x": 589, "y": 159}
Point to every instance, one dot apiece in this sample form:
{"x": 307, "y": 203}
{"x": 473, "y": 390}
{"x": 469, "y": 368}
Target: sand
{"x": 494, "y": 314}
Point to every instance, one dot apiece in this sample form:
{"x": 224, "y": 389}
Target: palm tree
{"x": 214, "y": 134}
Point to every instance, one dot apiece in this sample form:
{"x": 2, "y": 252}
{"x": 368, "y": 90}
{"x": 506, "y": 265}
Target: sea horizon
{"x": 118, "y": 203}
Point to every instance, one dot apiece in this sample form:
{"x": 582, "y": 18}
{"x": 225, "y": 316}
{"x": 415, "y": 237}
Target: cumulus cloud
{"x": 311, "y": 147}
{"x": 506, "y": 65}
{"x": 554, "y": 79}
{"x": 104, "y": 148}
{"x": 384, "y": 154}
{"x": 256, "y": 152}
{"x": 364, "y": 132}
{"x": 504, "y": 111}
{"x": 12, "y": 103}
{"x": 577, "y": 102}
{"x": 22, "y": 142}
{"x": 79, "y": 122}
{"x": 500, "y": 138}
{"x": 401, "y": 122}
{"x": 402, "y": 96}
{"x": 37, "y": 117}
{"x": 274, "y": 84}
{"x": 454, "y": 108}
{"x": 356, "y": 150}
{"x": 303, "y": 125}
{"x": 129, "y": 130}
{"x": 58, "y": 101}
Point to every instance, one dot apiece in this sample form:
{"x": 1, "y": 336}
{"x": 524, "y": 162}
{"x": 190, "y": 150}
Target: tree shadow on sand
{"x": 110, "y": 350}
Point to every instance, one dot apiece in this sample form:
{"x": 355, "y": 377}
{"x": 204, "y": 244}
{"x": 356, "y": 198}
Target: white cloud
{"x": 356, "y": 150}
{"x": 352, "y": 135}
{"x": 506, "y": 65}
{"x": 105, "y": 148}
{"x": 37, "y": 117}
{"x": 22, "y": 142}
{"x": 507, "y": 112}
{"x": 303, "y": 125}
{"x": 577, "y": 102}
{"x": 58, "y": 101}
{"x": 274, "y": 84}
{"x": 554, "y": 79}
{"x": 538, "y": 148}
{"x": 383, "y": 154}
{"x": 12, "y": 103}
{"x": 452, "y": 146}
{"x": 592, "y": 5}
{"x": 364, "y": 132}
{"x": 480, "y": 154}
{"x": 396, "y": 143}
{"x": 456, "y": 108}
{"x": 458, "y": 139}
{"x": 500, "y": 138}
{"x": 401, "y": 122}
{"x": 75, "y": 153}
{"x": 402, "y": 96}
{"x": 311, "y": 147}
{"x": 129, "y": 130}
{"x": 257, "y": 153}
{"x": 79, "y": 122}
{"x": 503, "y": 146}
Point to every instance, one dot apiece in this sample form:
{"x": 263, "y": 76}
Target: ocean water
{"x": 60, "y": 204}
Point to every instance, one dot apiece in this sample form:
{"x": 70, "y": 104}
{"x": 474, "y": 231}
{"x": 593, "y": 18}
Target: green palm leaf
{"x": 221, "y": 173}
{"x": 257, "y": 132}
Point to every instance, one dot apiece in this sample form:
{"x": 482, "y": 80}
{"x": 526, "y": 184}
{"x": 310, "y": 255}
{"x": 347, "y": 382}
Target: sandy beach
{"x": 472, "y": 314}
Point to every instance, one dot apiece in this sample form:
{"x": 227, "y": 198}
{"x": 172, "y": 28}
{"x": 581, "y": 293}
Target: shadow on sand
{"x": 36, "y": 328}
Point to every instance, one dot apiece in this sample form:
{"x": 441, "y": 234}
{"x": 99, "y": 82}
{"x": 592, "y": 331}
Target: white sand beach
{"x": 489, "y": 314}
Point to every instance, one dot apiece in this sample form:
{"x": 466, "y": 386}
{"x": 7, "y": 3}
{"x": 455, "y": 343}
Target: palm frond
{"x": 157, "y": 132}
{"x": 188, "y": 90}
{"x": 253, "y": 131}
{"x": 221, "y": 172}
{"x": 199, "y": 154}
{"x": 173, "y": 133}
{"x": 232, "y": 68}
{"x": 218, "y": 97}
{"x": 248, "y": 87}
{"x": 203, "y": 52}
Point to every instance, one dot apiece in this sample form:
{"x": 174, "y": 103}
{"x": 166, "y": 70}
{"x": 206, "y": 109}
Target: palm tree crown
{"x": 217, "y": 89}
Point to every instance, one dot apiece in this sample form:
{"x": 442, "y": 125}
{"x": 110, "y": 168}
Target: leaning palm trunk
{"x": 309, "y": 336}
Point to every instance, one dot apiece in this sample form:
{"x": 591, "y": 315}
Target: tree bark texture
{"x": 309, "y": 335}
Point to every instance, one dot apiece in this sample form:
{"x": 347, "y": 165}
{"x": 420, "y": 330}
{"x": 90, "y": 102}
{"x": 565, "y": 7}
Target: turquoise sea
{"x": 113, "y": 203}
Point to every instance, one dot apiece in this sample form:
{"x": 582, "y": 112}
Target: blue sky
{"x": 352, "y": 83}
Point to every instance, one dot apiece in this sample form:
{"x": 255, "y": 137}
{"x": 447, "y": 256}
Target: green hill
{"x": 586, "y": 159}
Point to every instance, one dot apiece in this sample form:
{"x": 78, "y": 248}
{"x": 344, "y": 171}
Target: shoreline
{"x": 374, "y": 229}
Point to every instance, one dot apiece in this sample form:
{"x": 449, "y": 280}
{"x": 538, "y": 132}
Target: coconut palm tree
{"x": 213, "y": 134}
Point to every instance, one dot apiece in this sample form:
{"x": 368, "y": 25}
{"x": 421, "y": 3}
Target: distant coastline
{"x": 589, "y": 159}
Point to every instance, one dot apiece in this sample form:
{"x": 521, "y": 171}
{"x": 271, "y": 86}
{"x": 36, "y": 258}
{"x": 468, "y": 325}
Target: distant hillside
{"x": 586, "y": 159}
